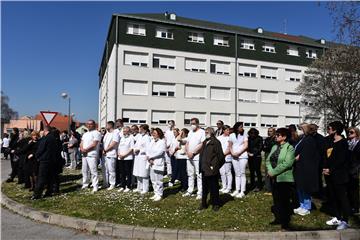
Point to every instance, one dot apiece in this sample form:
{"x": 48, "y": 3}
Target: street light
{"x": 67, "y": 96}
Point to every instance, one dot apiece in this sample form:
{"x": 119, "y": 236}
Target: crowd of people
{"x": 134, "y": 158}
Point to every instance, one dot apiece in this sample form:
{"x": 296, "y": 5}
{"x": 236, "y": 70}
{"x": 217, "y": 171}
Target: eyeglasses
{"x": 351, "y": 132}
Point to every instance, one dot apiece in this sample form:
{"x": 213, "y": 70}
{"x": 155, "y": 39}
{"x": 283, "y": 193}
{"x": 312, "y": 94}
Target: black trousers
{"x": 174, "y": 169}
{"x": 45, "y": 178}
{"x": 255, "y": 168}
{"x": 281, "y": 209}
{"x": 210, "y": 184}
{"x": 353, "y": 189}
{"x": 126, "y": 168}
{"x": 21, "y": 170}
{"x": 339, "y": 200}
{"x": 117, "y": 172}
{"x": 182, "y": 173}
{"x": 14, "y": 166}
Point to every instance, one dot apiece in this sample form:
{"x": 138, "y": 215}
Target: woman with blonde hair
{"x": 354, "y": 147}
{"x": 31, "y": 165}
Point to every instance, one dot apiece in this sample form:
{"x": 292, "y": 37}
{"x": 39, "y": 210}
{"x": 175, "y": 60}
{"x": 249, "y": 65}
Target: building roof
{"x": 226, "y": 28}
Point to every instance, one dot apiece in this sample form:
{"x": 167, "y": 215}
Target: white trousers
{"x": 109, "y": 169}
{"x": 226, "y": 176}
{"x": 157, "y": 181}
{"x": 193, "y": 171}
{"x": 90, "y": 164}
{"x": 168, "y": 164}
{"x": 143, "y": 184}
{"x": 239, "y": 165}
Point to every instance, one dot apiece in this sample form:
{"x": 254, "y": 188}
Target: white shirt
{"x": 181, "y": 154}
{"x": 194, "y": 139}
{"x": 238, "y": 144}
{"x": 126, "y": 143}
{"x": 88, "y": 139}
{"x": 224, "y": 140}
{"x": 108, "y": 139}
{"x": 169, "y": 137}
{"x": 156, "y": 151}
{"x": 142, "y": 143}
{"x": 119, "y": 132}
{"x": 5, "y": 142}
{"x": 137, "y": 137}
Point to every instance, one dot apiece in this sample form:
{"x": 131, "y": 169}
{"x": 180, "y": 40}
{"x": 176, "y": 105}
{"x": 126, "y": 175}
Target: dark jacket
{"x": 269, "y": 142}
{"x": 355, "y": 161}
{"x": 338, "y": 162}
{"x": 255, "y": 146}
{"x": 211, "y": 157}
{"x": 13, "y": 141}
{"x": 47, "y": 149}
{"x": 306, "y": 170}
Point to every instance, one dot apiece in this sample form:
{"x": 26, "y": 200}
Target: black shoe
{"x": 216, "y": 208}
{"x": 35, "y": 197}
{"x": 202, "y": 207}
{"x": 9, "y": 180}
{"x": 285, "y": 227}
{"x": 47, "y": 194}
{"x": 275, "y": 222}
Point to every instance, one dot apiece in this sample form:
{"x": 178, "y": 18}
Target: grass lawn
{"x": 251, "y": 213}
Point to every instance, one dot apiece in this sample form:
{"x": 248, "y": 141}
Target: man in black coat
{"x": 14, "y": 162}
{"x": 46, "y": 154}
{"x": 211, "y": 160}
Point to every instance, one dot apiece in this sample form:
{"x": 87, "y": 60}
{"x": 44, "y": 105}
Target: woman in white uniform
{"x": 238, "y": 144}
{"x": 155, "y": 154}
{"x": 140, "y": 171}
{"x": 225, "y": 170}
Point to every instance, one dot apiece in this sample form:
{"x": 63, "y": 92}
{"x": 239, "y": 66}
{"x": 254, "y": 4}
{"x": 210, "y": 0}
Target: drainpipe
{"x": 236, "y": 79}
{"x": 116, "y": 66}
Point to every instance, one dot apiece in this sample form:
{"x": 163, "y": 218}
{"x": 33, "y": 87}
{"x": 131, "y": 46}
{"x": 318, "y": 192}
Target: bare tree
{"x": 7, "y": 112}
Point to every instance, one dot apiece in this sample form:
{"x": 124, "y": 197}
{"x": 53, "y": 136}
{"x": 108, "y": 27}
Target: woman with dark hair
{"x": 140, "y": 171}
{"x": 238, "y": 145}
{"x": 354, "y": 147}
{"x": 254, "y": 152}
{"x": 20, "y": 153}
{"x": 155, "y": 155}
{"x": 225, "y": 170}
{"x": 181, "y": 158}
{"x": 279, "y": 164}
{"x": 31, "y": 164}
{"x": 336, "y": 168}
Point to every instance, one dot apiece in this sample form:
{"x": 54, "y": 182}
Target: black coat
{"x": 355, "y": 161}
{"x": 211, "y": 157}
{"x": 255, "y": 146}
{"x": 338, "y": 162}
{"x": 47, "y": 150}
{"x": 269, "y": 142}
{"x": 307, "y": 168}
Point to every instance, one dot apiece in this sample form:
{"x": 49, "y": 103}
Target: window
{"x": 311, "y": 53}
{"x": 221, "y": 41}
{"x": 293, "y": 51}
{"x": 269, "y": 97}
{"x": 293, "y": 75}
{"x": 135, "y": 87}
{"x": 162, "y": 117}
{"x": 164, "y": 62}
{"x": 196, "y": 37}
{"x": 307, "y": 103}
{"x": 214, "y": 117}
{"x": 268, "y": 47}
{"x": 269, "y": 121}
{"x": 249, "y": 120}
{"x": 247, "y": 44}
{"x": 136, "y": 59}
{"x": 217, "y": 93}
{"x": 247, "y": 95}
{"x": 163, "y": 89}
{"x": 134, "y": 116}
{"x": 247, "y": 70}
{"x": 194, "y": 91}
{"x": 136, "y": 29}
{"x": 189, "y": 115}
{"x": 164, "y": 33}
{"x": 291, "y": 120}
{"x": 268, "y": 73}
{"x": 195, "y": 65}
{"x": 219, "y": 67}
{"x": 292, "y": 98}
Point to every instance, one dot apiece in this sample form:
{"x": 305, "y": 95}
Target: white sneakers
{"x": 296, "y": 210}
{"x": 333, "y": 222}
{"x": 171, "y": 184}
{"x": 234, "y": 193}
{"x": 222, "y": 190}
{"x": 240, "y": 195}
{"x": 143, "y": 192}
{"x": 157, "y": 198}
{"x": 301, "y": 211}
{"x": 198, "y": 197}
{"x": 127, "y": 190}
{"x": 111, "y": 187}
{"x": 342, "y": 226}
{"x": 121, "y": 189}
{"x": 84, "y": 186}
{"x": 226, "y": 191}
{"x": 94, "y": 190}
{"x": 187, "y": 194}
{"x": 136, "y": 190}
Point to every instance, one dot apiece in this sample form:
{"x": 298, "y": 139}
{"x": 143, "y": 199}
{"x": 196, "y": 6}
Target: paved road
{"x": 16, "y": 227}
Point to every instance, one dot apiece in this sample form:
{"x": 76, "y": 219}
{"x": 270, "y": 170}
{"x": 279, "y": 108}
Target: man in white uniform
{"x": 89, "y": 147}
{"x": 119, "y": 125}
{"x": 111, "y": 141}
{"x": 169, "y": 139}
{"x": 126, "y": 159}
{"x": 193, "y": 146}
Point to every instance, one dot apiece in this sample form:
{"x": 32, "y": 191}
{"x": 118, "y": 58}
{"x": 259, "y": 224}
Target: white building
{"x": 160, "y": 67}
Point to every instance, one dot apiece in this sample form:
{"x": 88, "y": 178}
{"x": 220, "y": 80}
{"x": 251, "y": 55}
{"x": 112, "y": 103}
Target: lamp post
{"x": 66, "y": 96}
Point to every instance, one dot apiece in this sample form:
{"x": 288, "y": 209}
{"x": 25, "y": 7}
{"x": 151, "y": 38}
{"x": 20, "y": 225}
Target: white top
{"x": 137, "y": 137}
{"x": 126, "y": 143}
{"x": 108, "y": 139}
{"x": 156, "y": 151}
{"x": 194, "y": 139}
{"x": 238, "y": 144}
{"x": 169, "y": 137}
{"x": 181, "y": 153}
{"x": 5, "y": 142}
{"x": 119, "y": 132}
{"x": 88, "y": 139}
{"x": 142, "y": 143}
{"x": 224, "y": 144}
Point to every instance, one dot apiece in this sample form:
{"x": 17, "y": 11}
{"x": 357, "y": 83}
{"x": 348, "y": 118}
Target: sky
{"x": 48, "y": 48}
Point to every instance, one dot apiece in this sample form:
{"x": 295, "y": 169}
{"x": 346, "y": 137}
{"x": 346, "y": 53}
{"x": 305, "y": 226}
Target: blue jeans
{"x": 304, "y": 199}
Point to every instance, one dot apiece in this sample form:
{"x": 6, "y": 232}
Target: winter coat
{"x": 211, "y": 157}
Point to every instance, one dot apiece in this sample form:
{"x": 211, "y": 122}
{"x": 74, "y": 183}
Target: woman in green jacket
{"x": 279, "y": 164}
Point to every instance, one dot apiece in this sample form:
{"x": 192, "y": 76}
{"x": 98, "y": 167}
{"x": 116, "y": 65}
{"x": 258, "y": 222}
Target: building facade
{"x": 160, "y": 67}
